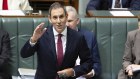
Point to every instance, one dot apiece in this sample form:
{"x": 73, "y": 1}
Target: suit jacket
{"x": 93, "y": 46}
{"x": 17, "y": 5}
{"x": 106, "y": 4}
{"x": 4, "y": 55}
{"x": 131, "y": 53}
{"x": 47, "y": 58}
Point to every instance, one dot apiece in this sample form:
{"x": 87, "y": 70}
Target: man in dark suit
{"x": 49, "y": 46}
{"x": 4, "y": 55}
{"x": 109, "y": 4}
{"x": 72, "y": 22}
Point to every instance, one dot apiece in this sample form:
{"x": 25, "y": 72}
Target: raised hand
{"x": 38, "y": 32}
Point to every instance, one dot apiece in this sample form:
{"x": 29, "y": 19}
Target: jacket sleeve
{"x": 96, "y": 56}
{"x": 93, "y": 5}
{"x": 85, "y": 56}
{"x": 135, "y": 5}
{"x": 127, "y": 57}
{"x": 5, "y": 48}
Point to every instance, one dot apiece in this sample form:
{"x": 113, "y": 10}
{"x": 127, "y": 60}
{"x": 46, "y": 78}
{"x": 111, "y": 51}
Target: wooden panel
{"x": 74, "y": 3}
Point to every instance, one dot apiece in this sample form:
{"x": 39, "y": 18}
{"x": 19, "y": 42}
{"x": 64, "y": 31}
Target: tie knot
{"x": 59, "y": 35}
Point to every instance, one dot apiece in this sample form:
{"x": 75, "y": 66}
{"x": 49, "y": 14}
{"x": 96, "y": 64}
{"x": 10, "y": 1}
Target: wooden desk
{"x": 107, "y": 14}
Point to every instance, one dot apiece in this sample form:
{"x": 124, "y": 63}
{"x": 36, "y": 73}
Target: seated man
{"x": 111, "y": 4}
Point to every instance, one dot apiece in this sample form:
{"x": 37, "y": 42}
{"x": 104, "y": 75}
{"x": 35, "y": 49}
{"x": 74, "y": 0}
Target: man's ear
{"x": 66, "y": 15}
{"x": 78, "y": 20}
{"x": 49, "y": 17}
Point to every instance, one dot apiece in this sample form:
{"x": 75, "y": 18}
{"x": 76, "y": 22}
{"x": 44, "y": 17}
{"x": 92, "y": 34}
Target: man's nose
{"x": 58, "y": 20}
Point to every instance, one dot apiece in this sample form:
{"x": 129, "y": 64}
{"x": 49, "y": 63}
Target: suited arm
{"x": 5, "y": 48}
{"x": 92, "y": 5}
{"x": 127, "y": 58}
{"x": 28, "y": 50}
{"x": 135, "y": 5}
{"x": 85, "y": 57}
{"x": 96, "y": 57}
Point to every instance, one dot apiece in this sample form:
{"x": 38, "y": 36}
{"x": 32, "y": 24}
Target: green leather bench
{"x": 110, "y": 32}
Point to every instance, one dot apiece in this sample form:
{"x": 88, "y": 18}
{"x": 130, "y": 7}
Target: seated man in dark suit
{"x": 4, "y": 55}
{"x": 72, "y": 22}
{"x": 57, "y": 48}
{"x": 110, "y": 4}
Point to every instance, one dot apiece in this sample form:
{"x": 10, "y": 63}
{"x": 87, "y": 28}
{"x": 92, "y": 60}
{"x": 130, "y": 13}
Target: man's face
{"x": 72, "y": 20}
{"x": 58, "y": 18}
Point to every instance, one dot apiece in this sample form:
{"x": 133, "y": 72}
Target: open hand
{"x": 38, "y": 32}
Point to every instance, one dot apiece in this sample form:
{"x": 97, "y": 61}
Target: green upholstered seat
{"x": 110, "y": 32}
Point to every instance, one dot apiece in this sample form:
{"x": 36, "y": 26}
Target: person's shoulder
{"x": 3, "y": 31}
{"x": 75, "y": 33}
{"x": 133, "y": 32}
{"x": 86, "y": 32}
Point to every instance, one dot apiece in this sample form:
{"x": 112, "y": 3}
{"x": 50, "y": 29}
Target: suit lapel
{"x": 51, "y": 42}
{"x": 68, "y": 44}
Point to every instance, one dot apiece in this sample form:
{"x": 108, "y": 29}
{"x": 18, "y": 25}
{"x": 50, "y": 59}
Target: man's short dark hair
{"x": 56, "y": 5}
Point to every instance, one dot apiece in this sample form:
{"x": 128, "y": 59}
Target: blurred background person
{"x": 15, "y": 5}
{"x": 131, "y": 57}
{"x": 4, "y": 55}
{"x": 111, "y": 4}
{"x": 73, "y": 22}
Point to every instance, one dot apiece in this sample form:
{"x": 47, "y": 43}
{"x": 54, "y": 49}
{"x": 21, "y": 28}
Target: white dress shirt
{"x": 113, "y": 3}
{"x": 63, "y": 38}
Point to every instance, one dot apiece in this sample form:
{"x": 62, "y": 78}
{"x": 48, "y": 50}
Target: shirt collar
{"x": 64, "y": 33}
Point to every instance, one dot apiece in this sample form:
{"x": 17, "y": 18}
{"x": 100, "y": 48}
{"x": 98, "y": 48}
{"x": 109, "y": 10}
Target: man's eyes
{"x": 70, "y": 20}
{"x": 56, "y": 17}
{"x": 61, "y": 17}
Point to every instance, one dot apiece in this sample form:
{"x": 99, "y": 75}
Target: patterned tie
{"x": 117, "y": 4}
{"x": 5, "y": 5}
{"x": 59, "y": 50}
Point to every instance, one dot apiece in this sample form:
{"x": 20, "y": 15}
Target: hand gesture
{"x": 129, "y": 70}
{"x": 38, "y": 32}
{"x": 89, "y": 75}
{"x": 66, "y": 73}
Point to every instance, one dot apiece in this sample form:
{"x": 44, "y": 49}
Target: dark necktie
{"x": 5, "y": 5}
{"x": 117, "y": 4}
{"x": 59, "y": 50}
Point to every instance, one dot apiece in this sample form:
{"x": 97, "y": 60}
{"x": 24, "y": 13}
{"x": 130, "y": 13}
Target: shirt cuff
{"x": 73, "y": 73}
{"x": 32, "y": 44}
{"x": 93, "y": 73}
